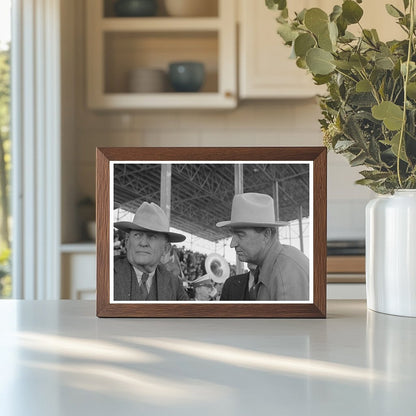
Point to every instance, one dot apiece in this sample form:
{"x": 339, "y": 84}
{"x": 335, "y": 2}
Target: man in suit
{"x": 237, "y": 287}
{"x": 140, "y": 276}
{"x": 282, "y": 271}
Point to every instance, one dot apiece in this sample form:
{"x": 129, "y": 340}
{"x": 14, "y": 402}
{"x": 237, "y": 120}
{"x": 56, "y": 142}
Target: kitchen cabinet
{"x": 346, "y": 277}
{"x": 118, "y": 45}
{"x": 265, "y": 70}
{"x": 78, "y": 264}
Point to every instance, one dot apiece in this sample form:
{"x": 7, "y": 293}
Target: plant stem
{"x": 406, "y": 79}
{"x": 373, "y": 88}
{"x": 346, "y": 75}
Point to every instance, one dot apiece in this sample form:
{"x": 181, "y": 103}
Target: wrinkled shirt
{"x": 284, "y": 274}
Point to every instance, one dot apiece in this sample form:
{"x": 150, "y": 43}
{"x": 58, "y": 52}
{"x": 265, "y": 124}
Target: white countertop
{"x": 57, "y": 358}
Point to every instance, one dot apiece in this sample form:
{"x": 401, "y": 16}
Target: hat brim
{"x": 251, "y": 224}
{"x": 127, "y": 226}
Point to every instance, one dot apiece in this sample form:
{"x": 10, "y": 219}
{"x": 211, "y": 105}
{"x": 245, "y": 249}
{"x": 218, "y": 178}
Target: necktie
{"x": 255, "y": 288}
{"x": 143, "y": 288}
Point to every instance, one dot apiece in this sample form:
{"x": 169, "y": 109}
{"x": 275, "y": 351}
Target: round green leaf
{"x": 303, "y": 43}
{"x": 301, "y": 15}
{"x": 411, "y": 90}
{"x": 287, "y": 33}
{"x": 333, "y": 32}
{"x": 336, "y": 12}
{"x": 325, "y": 42}
{"x": 358, "y": 61}
{"x": 393, "y": 11}
{"x": 319, "y": 61}
{"x": 384, "y": 62}
{"x": 391, "y": 114}
{"x": 395, "y": 144}
{"x": 344, "y": 65}
{"x": 276, "y": 4}
{"x": 351, "y": 11}
{"x": 316, "y": 20}
{"x": 322, "y": 79}
{"x": 363, "y": 86}
{"x": 301, "y": 63}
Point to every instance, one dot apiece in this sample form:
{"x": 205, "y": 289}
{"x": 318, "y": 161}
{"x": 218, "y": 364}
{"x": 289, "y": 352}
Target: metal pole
{"x": 301, "y": 228}
{"x": 238, "y": 189}
{"x": 276, "y": 203}
{"x": 166, "y": 188}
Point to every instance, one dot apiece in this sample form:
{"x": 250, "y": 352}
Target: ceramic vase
{"x": 135, "y": 8}
{"x": 391, "y": 253}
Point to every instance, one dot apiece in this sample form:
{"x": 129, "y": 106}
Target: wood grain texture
{"x": 317, "y": 309}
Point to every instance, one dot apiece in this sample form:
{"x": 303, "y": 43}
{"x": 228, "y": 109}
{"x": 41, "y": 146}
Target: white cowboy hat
{"x": 252, "y": 210}
{"x": 150, "y": 217}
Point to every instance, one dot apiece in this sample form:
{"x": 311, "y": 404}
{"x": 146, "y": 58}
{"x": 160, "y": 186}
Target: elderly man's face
{"x": 203, "y": 292}
{"x": 248, "y": 244}
{"x": 145, "y": 248}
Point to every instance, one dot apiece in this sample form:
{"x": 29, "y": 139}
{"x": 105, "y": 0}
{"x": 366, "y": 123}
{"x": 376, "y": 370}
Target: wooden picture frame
{"x": 242, "y": 158}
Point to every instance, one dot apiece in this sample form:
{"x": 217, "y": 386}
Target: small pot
{"x": 147, "y": 80}
{"x": 186, "y": 76}
{"x": 135, "y": 8}
{"x": 191, "y": 8}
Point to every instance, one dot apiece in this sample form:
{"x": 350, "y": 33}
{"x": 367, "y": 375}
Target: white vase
{"x": 391, "y": 253}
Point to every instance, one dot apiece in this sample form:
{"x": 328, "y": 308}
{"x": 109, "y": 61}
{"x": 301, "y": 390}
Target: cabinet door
{"x": 78, "y": 276}
{"x": 266, "y": 71}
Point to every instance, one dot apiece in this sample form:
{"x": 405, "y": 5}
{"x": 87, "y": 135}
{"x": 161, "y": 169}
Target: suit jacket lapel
{"x": 164, "y": 290}
{"x": 241, "y": 286}
{"x": 123, "y": 276}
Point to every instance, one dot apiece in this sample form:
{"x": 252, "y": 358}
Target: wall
{"x": 253, "y": 123}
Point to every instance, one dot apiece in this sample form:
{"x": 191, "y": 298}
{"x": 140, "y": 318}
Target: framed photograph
{"x": 211, "y": 232}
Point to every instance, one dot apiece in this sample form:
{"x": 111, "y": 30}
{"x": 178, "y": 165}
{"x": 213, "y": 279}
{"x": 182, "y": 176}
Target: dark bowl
{"x": 135, "y": 8}
{"x": 186, "y": 76}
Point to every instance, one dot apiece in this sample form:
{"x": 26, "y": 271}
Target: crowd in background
{"x": 191, "y": 263}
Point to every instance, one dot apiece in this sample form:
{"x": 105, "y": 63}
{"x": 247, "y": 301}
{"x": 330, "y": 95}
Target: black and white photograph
{"x": 214, "y": 231}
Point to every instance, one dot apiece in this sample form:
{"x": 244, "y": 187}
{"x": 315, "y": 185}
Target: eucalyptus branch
{"x": 392, "y": 91}
{"x": 397, "y": 95}
{"x": 346, "y": 75}
{"x": 364, "y": 75}
{"x": 406, "y": 79}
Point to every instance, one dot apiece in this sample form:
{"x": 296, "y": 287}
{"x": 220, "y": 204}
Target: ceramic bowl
{"x": 135, "y": 8}
{"x": 191, "y": 8}
{"x": 186, "y": 76}
{"x": 147, "y": 80}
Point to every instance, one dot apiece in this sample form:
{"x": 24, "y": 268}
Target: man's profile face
{"x": 145, "y": 248}
{"x": 248, "y": 244}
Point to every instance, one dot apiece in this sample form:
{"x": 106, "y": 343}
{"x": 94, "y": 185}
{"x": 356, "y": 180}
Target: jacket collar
{"x": 266, "y": 268}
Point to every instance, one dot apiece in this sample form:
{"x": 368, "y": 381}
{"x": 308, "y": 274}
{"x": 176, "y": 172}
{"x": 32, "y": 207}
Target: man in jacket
{"x": 237, "y": 287}
{"x": 282, "y": 271}
{"x": 140, "y": 276}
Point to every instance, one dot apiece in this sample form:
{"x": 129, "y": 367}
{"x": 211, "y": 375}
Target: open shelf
{"x": 118, "y": 45}
{"x": 160, "y": 24}
{"x": 209, "y": 9}
{"x": 127, "y": 51}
